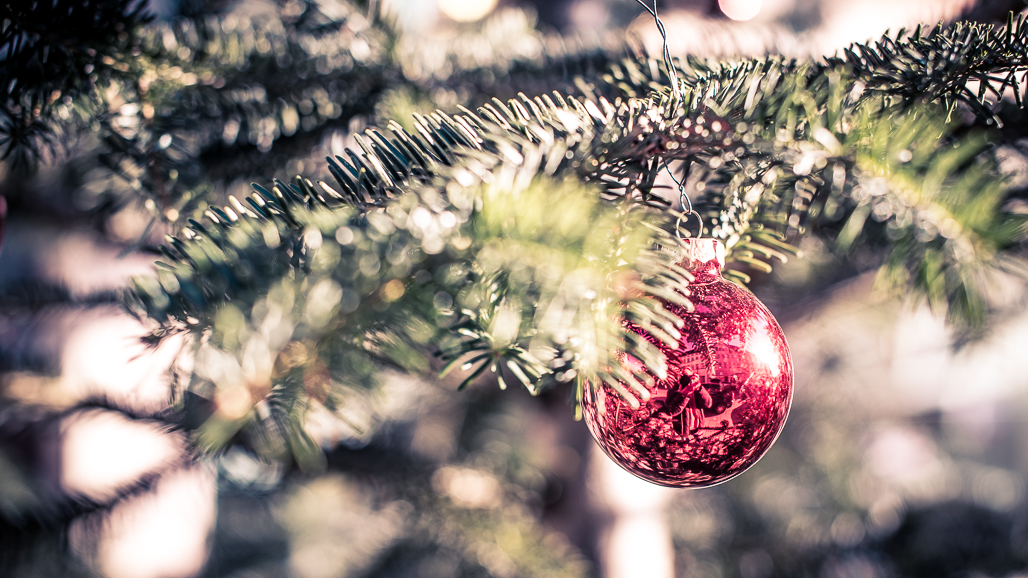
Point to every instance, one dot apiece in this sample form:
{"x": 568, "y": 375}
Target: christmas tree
{"x": 338, "y": 224}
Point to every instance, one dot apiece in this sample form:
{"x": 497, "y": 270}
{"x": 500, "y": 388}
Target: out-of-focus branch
{"x": 993, "y": 11}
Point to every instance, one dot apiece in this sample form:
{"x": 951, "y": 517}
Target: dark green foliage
{"x": 816, "y": 134}
{"x": 194, "y": 105}
{"x": 968, "y": 63}
{"x": 57, "y": 58}
{"x": 212, "y": 97}
{"x": 938, "y": 207}
{"x": 514, "y": 284}
{"x": 473, "y": 236}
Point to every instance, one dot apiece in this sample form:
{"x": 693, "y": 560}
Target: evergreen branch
{"x": 56, "y": 57}
{"x": 805, "y": 127}
{"x": 210, "y": 94}
{"x": 210, "y": 106}
{"x": 295, "y": 296}
{"x": 414, "y": 245}
{"x": 966, "y": 62}
{"x": 993, "y": 12}
{"x": 941, "y": 206}
{"x": 426, "y": 251}
{"x": 204, "y": 101}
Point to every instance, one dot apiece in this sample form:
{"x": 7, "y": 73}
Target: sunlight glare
{"x": 466, "y": 10}
{"x": 740, "y": 9}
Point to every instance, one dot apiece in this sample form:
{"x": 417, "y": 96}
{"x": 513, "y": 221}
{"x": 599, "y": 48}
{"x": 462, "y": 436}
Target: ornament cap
{"x": 704, "y": 258}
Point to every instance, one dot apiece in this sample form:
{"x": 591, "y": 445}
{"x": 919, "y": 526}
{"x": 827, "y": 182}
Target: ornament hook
{"x": 676, "y": 90}
{"x": 687, "y": 209}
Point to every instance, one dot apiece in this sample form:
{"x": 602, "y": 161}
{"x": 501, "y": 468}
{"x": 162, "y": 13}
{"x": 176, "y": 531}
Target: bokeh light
{"x": 164, "y": 533}
{"x": 102, "y": 453}
{"x": 466, "y": 10}
{"x": 740, "y": 9}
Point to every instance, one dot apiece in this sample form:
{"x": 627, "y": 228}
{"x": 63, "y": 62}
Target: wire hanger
{"x": 684, "y": 200}
{"x": 687, "y": 210}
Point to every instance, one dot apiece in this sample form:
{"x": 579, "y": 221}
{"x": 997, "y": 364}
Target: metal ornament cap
{"x": 727, "y": 394}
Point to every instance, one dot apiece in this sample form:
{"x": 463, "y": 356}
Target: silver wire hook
{"x": 687, "y": 210}
{"x": 675, "y": 88}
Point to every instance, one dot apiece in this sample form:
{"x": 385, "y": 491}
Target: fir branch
{"x": 941, "y": 205}
{"x": 210, "y": 97}
{"x": 416, "y": 245}
{"x": 806, "y": 126}
{"x": 56, "y": 57}
{"x": 994, "y": 12}
{"x": 210, "y": 105}
{"x": 966, "y": 62}
{"x": 295, "y": 296}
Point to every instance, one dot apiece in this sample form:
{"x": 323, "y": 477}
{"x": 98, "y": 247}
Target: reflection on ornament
{"x": 727, "y": 393}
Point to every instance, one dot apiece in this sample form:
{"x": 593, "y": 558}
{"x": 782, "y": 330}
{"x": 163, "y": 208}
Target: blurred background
{"x": 905, "y": 454}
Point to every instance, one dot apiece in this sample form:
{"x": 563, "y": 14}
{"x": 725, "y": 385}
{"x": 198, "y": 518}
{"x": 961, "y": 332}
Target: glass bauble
{"x": 727, "y": 392}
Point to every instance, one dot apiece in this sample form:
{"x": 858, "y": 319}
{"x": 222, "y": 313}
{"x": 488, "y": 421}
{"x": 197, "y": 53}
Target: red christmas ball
{"x": 727, "y": 393}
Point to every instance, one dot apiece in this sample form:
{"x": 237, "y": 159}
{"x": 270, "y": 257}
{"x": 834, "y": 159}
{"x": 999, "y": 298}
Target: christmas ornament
{"x": 726, "y": 396}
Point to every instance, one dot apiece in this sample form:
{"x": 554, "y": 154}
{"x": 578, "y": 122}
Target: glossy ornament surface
{"x": 727, "y": 393}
